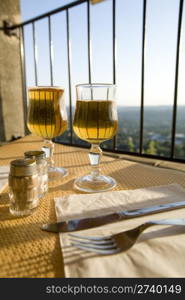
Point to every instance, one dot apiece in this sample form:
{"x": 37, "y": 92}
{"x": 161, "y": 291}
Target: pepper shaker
{"x": 42, "y": 168}
{"x": 23, "y": 187}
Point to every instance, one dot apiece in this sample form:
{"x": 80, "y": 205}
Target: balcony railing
{"x": 66, "y": 9}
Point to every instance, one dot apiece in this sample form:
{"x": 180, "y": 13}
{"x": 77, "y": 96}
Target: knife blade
{"x": 86, "y": 223}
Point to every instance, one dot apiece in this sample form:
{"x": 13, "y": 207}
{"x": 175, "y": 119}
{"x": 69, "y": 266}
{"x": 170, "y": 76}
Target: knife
{"x": 81, "y": 224}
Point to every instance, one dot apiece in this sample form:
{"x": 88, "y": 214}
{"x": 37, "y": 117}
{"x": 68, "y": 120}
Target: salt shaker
{"x": 23, "y": 187}
{"x": 42, "y": 168}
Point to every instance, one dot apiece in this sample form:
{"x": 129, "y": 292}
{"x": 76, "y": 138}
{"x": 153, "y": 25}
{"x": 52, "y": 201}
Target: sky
{"x": 161, "y": 31}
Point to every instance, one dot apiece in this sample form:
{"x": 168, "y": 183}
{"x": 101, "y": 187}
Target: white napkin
{"x": 86, "y": 205}
{"x": 4, "y": 171}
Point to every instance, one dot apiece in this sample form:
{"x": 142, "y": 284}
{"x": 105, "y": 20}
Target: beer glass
{"x": 47, "y": 117}
{"x": 95, "y": 121}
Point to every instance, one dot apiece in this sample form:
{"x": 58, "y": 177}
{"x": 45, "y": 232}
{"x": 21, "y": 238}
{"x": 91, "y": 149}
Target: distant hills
{"x": 156, "y": 134}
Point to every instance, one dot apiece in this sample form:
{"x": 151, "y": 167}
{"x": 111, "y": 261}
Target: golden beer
{"x": 46, "y": 116}
{"x": 95, "y": 120}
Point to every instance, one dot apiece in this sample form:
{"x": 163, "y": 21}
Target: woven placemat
{"x": 25, "y": 250}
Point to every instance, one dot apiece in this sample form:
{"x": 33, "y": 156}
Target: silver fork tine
{"x": 95, "y": 244}
{"x": 96, "y": 250}
{"x": 91, "y": 238}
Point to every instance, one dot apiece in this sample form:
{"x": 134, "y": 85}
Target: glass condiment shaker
{"x": 23, "y": 187}
{"x": 42, "y": 168}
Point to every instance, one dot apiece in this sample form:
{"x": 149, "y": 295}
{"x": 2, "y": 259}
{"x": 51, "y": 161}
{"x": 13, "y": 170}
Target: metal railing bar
{"x": 179, "y": 30}
{"x": 142, "y": 76}
{"x": 50, "y": 51}
{"x": 114, "y": 51}
{"x": 52, "y": 12}
{"x": 23, "y": 74}
{"x": 114, "y": 39}
{"x": 89, "y": 42}
{"x": 34, "y": 53}
{"x": 69, "y": 74}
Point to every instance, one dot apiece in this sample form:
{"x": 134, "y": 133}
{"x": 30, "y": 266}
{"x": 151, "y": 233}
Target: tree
{"x": 151, "y": 149}
{"x": 130, "y": 144}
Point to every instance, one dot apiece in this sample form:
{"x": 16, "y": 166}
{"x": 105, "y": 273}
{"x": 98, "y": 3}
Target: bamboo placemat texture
{"x": 25, "y": 250}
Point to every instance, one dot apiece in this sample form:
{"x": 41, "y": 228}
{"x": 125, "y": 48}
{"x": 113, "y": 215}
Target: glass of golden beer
{"x": 95, "y": 121}
{"x": 47, "y": 117}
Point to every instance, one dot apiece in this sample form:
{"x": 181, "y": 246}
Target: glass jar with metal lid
{"x": 23, "y": 187}
{"x": 42, "y": 168}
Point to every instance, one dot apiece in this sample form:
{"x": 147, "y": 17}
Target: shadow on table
{"x": 69, "y": 152}
{"x": 89, "y": 166}
{"x": 32, "y": 252}
{"x": 18, "y": 233}
{"x": 32, "y": 266}
{"x": 137, "y": 176}
{"x": 27, "y": 141}
{"x": 37, "y": 252}
{"x": 76, "y": 166}
{"x": 67, "y": 186}
{"x": 11, "y": 157}
{"x": 73, "y": 255}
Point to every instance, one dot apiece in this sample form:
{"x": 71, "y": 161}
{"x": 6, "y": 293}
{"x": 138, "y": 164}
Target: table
{"x": 25, "y": 250}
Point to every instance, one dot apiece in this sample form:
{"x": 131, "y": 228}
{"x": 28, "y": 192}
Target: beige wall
{"x": 11, "y": 96}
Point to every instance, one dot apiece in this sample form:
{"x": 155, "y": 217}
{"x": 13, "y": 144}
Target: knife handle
{"x": 168, "y": 222}
{"x": 152, "y": 209}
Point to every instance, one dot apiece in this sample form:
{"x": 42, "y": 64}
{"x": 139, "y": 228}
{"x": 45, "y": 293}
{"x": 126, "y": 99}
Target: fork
{"x": 120, "y": 242}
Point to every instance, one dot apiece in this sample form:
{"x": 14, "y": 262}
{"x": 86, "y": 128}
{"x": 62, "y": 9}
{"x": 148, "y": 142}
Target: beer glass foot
{"x": 90, "y": 184}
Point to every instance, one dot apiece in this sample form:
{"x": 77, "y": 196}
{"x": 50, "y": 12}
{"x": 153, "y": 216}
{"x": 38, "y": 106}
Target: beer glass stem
{"x": 49, "y": 149}
{"x": 94, "y": 157}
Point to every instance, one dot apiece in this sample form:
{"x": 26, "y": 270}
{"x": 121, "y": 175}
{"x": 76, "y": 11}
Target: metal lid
{"x": 35, "y": 154}
{"x": 23, "y": 167}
